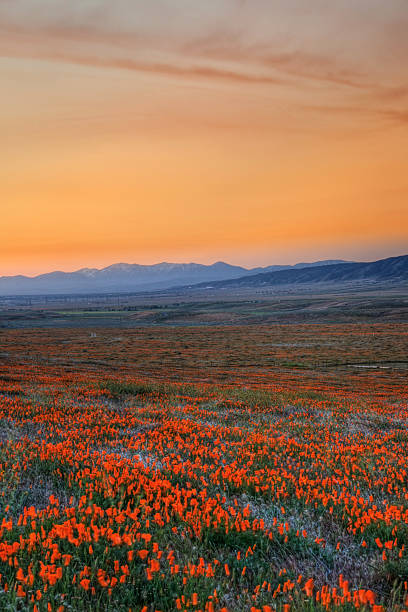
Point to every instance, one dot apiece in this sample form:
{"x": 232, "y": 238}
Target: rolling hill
{"x": 392, "y": 269}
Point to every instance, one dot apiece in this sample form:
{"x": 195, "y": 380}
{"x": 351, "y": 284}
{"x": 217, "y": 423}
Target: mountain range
{"x": 128, "y": 278}
{"x": 390, "y": 270}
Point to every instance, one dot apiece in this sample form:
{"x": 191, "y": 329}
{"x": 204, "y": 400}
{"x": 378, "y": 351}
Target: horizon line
{"x": 244, "y": 267}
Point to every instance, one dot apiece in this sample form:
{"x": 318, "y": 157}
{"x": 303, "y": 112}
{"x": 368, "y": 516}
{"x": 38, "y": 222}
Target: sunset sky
{"x": 253, "y": 131}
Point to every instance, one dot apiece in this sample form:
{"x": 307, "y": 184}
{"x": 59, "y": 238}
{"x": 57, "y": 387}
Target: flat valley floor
{"x": 242, "y": 452}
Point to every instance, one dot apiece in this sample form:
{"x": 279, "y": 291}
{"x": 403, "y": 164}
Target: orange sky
{"x": 256, "y": 132}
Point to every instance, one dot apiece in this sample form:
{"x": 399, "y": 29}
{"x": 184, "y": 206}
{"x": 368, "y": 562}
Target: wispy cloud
{"x": 341, "y": 51}
{"x": 17, "y": 42}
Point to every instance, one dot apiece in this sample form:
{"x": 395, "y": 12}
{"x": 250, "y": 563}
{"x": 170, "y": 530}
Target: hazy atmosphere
{"x": 255, "y": 132}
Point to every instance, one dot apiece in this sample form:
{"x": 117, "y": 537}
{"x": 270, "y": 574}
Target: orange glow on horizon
{"x": 181, "y": 147}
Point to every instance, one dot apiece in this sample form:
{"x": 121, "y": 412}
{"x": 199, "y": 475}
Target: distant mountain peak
{"x": 87, "y": 271}
{"x": 119, "y": 278}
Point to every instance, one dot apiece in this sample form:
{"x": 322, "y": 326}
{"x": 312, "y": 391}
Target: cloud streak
{"x": 222, "y": 56}
{"x": 197, "y": 59}
{"x": 273, "y": 49}
{"x": 259, "y": 42}
{"x": 183, "y": 69}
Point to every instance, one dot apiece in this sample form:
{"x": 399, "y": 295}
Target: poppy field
{"x": 217, "y": 469}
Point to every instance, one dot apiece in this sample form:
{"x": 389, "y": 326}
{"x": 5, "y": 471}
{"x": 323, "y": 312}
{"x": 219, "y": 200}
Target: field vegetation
{"x": 257, "y": 467}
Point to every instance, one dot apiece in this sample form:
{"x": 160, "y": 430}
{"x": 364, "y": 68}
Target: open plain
{"x": 235, "y": 454}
